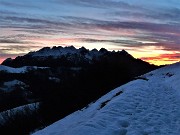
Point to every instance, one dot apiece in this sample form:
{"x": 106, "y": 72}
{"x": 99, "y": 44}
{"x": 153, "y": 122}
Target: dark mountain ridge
{"x": 74, "y": 78}
{"x": 64, "y": 57}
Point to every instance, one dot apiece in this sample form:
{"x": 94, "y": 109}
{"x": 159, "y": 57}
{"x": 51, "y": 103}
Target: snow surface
{"x": 47, "y": 51}
{"x": 54, "y": 79}
{"x": 62, "y": 51}
{"x": 19, "y": 70}
{"x": 9, "y": 113}
{"x": 149, "y": 105}
{"x": 10, "y": 85}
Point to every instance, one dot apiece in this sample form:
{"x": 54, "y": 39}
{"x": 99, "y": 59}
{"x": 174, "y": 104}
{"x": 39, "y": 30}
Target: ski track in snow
{"x": 144, "y": 108}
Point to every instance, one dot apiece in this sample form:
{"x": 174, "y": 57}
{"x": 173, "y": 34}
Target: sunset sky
{"x": 147, "y": 29}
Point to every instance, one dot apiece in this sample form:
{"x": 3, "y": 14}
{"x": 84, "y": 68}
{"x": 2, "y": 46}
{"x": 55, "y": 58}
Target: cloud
{"x": 116, "y": 41}
{"x": 118, "y": 23}
{"x": 99, "y": 3}
{"x": 4, "y": 49}
{"x": 12, "y": 41}
{"x": 163, "y": 34}
{"x": 167, "y": 15}
{"x": 31, "y": 20}
{"x": 13, "y": 51}
{"x": 17, "y": 4}
{"x": 164, "y": 57}
{"x": 67, "y": 24}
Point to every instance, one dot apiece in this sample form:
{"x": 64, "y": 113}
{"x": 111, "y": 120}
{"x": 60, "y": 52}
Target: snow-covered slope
{"x": 149, "y": 105}
{"x": 18, "y": 70}
{"x": 5, "y": 115}
{"x": 11, "y": 85}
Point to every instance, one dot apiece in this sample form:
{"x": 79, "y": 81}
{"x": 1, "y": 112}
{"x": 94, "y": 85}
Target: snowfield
{"x": 19, "y": 70}
{"x": 23, "y": 109}
{"x": 11, "y": 85}
{"x": 60, "y": 51}
{"x": 149, "y": 105}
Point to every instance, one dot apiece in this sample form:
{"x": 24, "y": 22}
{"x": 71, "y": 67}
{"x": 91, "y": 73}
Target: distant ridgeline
{"x": 72, "y": 57}
{"x": 62, "y": 80}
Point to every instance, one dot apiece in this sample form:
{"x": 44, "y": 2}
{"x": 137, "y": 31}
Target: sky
{"x": 147, "y": 29}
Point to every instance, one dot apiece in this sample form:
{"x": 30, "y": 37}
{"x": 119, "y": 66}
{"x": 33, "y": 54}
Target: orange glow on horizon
{"x": 152, "y": 54}
{"x": 152, "y": 60}
{"x": 163, "y": 59}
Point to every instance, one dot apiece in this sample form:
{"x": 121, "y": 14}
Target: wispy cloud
{"x": 163, "y": 58}
{"x": 120, "y": 23}
{"x": 10, "y": 41}
{"x": 16, "y": 4}
{"x": 100, "y": 3}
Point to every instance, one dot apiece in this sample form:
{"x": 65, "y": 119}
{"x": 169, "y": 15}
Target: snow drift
{"x": 149, "y": 105}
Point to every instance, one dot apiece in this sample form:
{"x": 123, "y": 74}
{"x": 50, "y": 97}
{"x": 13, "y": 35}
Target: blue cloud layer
{"x": 152, "y": 21}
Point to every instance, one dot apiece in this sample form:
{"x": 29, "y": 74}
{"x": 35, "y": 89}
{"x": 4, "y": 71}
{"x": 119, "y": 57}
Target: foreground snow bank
{"x": 149, "y": 105}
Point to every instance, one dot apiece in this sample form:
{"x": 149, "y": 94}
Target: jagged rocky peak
{"x": 68, "y": 53}
{"x": 70, "y": 47}
{"x": 59, "y": 50}
{"x": 45, "y": 49}
{"x": 83, "y": 50}
{"x": 94, "y": 50}
{"x": 8, "y": 60}
{"x": 54, "y": 51}
{"x": 56, "y": 47}
{"x": 124, "y": 52}
{"x": 103, "y": 50}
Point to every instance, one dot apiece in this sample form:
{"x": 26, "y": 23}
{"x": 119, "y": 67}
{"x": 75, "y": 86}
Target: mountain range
{"x": 69, "y": 57}
{"x": 60, "y": 80}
